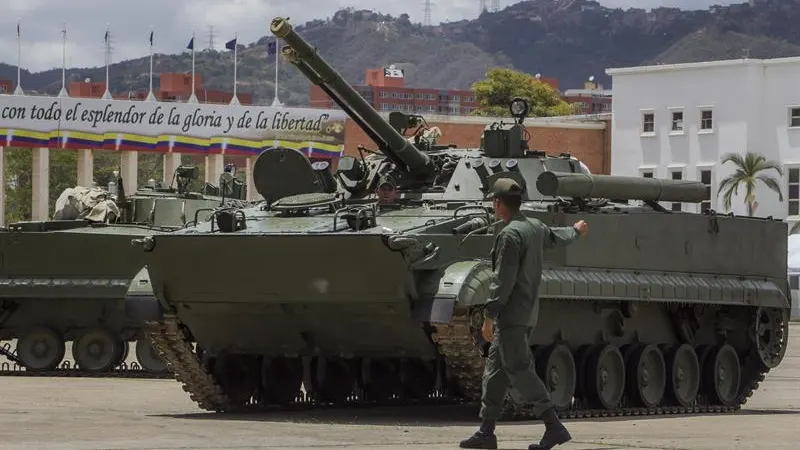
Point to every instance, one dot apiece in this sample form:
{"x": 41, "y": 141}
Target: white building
{"x": 677, "y": 121}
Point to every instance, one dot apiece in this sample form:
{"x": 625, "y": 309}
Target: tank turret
{"x": 581, "y": 185}
{"x": 412, "y": 165}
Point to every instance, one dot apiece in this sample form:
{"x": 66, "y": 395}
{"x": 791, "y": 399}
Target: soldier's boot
{"x": 555, "y": 433}
{"x": 484, "y": 438}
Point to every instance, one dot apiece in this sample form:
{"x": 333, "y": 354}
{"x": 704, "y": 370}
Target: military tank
{"x": 67, "y": 279}
{"x": 367, "y": 284}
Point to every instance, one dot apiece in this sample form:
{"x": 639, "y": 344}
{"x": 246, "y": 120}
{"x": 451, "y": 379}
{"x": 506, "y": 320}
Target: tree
{"x": 749, "y": 170}
{"x": 495, "y": 92}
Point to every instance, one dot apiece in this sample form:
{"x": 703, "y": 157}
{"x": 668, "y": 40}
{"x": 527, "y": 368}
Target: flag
{"x": 18, "y": 34}
{"x": 272, "y": 48}
{"x": 231, "y": 45}
{"x": 106, "y": 37}
{"x": 191, "y": 44}
{"x": 151, "y": 38}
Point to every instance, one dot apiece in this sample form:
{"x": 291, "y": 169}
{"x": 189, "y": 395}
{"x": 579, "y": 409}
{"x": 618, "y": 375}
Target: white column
{"x": 85, "y": 167}
{"x": 252, "y": 193}
{"x": 215, "y": 164}
{"x": 129, "y": 170}
{"x": 40, "y": 184}
{"x": 2, "y": 187}
{"x": 171, "y": 162}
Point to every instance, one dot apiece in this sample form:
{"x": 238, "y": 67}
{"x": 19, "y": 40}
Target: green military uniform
{"x": 517, "y": 259}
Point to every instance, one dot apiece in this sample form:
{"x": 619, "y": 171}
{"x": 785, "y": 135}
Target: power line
{"x": 495, "y": 5}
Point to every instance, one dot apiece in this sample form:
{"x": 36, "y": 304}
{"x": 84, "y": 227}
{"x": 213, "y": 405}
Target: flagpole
{"x": 107, "y": 93}
{"x": 275, "y": 100}
{"x": 18, "y": 89}
{"x": 63, "y": 92}
{"x": 193, "y": 97}
{"x": 150, "y": 96}
{"x": 235, "y": 98}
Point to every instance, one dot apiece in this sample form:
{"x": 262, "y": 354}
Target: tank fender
{"x": 462, "y": 284}
{"x": 141, "y": 302}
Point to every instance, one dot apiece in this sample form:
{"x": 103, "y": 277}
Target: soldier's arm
{"x": 505, "y": 274}
{"x": 560, "y": 236}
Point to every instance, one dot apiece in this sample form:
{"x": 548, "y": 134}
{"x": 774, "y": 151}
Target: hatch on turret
{"x": 287, "y": 176}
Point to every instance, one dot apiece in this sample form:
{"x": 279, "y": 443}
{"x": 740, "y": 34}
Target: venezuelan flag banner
{"x": 77, "y": 140}
{"x": 131, "y": 125}
{"x": 27, "y": 138}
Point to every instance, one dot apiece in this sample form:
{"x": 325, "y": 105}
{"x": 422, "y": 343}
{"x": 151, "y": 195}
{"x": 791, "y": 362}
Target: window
{"x": 2, "y": 89}
{"x": 794, "y": 117}
{"x": 705, "y": 178}
{"x": 677, "y": 175}
{"x": 677, "y": 122}
{"x": 648, "y": 122}
{"x": 794, "y": 191}
{"x": 706, "y": 120}
{"x": 794, "y": 282}
{"x": 647, "y": 174}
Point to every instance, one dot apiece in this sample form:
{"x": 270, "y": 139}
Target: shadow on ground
{"x": 421, "y": 416}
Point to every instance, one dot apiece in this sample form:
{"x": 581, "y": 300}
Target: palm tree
{"x": 749, "y": 169}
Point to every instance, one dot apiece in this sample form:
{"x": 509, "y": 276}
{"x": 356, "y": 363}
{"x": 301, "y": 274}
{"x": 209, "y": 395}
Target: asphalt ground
{"x": 90, "y": 413}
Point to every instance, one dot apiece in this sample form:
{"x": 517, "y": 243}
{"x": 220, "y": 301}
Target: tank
{"x": 74, "y": 278}
{"x": 366, "y": 284}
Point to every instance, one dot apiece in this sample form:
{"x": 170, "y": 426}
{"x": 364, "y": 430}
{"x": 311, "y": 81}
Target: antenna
{"x": 211, "y": 37}
{"x": 427, "y": 20}
{"x": 495, "y": 5}
{"x": 482, "y": 8}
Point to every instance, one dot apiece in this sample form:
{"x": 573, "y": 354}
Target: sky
{"x": 174, "y": 21}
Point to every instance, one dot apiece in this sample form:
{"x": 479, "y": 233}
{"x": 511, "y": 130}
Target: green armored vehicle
{"x": 66, "y": 279}
{"x": 367, "y": 284}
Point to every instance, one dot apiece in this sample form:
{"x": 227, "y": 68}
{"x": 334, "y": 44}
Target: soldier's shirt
{"x": 517, "y": 260}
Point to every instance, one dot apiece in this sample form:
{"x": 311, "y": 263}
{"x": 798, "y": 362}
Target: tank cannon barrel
{"x": 302, "y": 54}
{"x": 620, "y": 187}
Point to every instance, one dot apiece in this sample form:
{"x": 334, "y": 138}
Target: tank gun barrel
{"x": 314, "y": 78}
{"x": 395, "y": 146}
{"x": 619, "y": 187}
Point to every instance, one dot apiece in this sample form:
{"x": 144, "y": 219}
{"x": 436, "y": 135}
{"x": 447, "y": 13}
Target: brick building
{"x": 385, "y": 90}
{"x": 587, "y": 140}
{"x": 175, "y": 87}
{"x": 592, "y": 99}
{"x": 6, "y": 87}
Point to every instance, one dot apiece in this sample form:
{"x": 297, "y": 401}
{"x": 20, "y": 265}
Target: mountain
{"x": 566, "y": 39}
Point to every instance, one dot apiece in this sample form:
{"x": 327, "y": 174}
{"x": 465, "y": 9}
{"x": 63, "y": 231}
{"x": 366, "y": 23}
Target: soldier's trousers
{"x": 510, "y": 364}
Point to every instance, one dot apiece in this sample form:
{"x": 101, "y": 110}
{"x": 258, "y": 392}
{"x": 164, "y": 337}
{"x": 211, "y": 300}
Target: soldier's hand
{"x": 487, "y": 331}
{"x": 582, "y": 227}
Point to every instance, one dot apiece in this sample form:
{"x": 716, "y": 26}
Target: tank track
{"x": 465, "y": 363}
{"x": 170, "y": 343}
{"x": 120, "y": 372}
{"x": 177, "y": 352}
{"x": 456, "y": 345}
{"x": 68, "y": 369}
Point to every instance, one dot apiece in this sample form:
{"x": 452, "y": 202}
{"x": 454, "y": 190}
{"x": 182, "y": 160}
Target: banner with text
{"x": 84, "y": 123}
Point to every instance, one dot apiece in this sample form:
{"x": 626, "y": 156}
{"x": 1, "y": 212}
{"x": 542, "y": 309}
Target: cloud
{"x": 174, "y": 21}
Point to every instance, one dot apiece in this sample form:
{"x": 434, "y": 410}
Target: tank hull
{"x": 70, "y": 285}
{"x": 353, "y": 299}
{"x": 348, "y": 299}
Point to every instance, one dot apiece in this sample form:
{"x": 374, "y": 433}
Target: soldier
{"x": 511, "y": 313}
{"x": 387, "y": 192}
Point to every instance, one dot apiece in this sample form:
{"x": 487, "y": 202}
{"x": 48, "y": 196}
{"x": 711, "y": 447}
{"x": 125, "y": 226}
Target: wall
{"x": 586, "y": 140}
{"x": 749, "y": 102}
